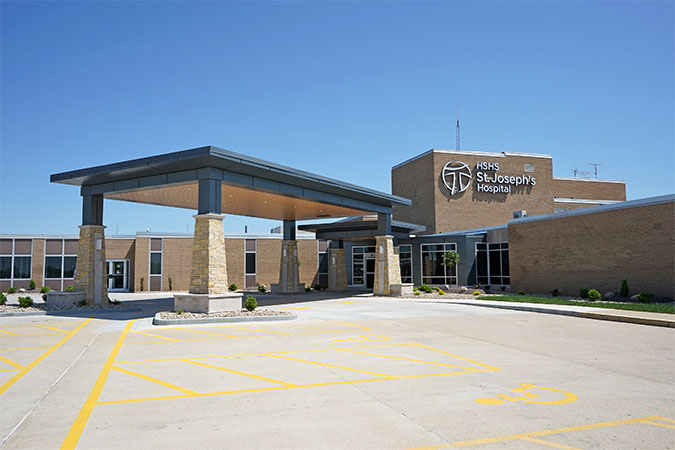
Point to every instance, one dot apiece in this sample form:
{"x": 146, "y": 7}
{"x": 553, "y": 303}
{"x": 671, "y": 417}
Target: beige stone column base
{"x": 209, "y": 269}
{"x": 90, "y": 271}
{"x": 337, "y": 270}
{"x": 387, "y": 267}
{"x": 208, "y": 303}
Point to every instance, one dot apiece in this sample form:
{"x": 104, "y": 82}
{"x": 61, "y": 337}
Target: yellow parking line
{"x": 329, "y": 365}
{"x": 512, "y": 437}
{"x": 454, "y": 356}
{"x": 665, "y": 419}
{"x": 406, "y": 359}
{"x": 30, "y": 366}
{"x": 155, "y": 380}
{"x": 21, "y": 348}
{"x": 206, "y": 332}
{"x": 157, "y": 336}
{"x": 298, "y": 308}
{"x": 549, "y": 444}
{"x": 9, "y": 332}
{"x": 257, "y": 377}
{"x": 78, "y": 426}
{"x": 276, "y": 333}
{"x": 53, "y": 328}
{"x": 355, "y": 326}
{"x": 11, "y": 363}
{"x": 660, "y": 424}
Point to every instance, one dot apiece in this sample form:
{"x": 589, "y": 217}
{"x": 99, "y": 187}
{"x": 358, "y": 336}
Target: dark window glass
{"x": 370, "y": 250}
{"x": 481, "y": 246}
{"x": 53, "y": 267}
{"x": 450, "y": 247}
{"x": 483, "y": 280}
{"x": 358, "y": 271}
{"x": 358, "y": 258}
{"x": 505, "y": 263}
{"x": 433, "y": 248}
{"x": 155, "y": 263}
{"x": 494, "y": 246}
{"x": 506, "y": 280}
{"x": 250, "y": 262}
{"x": 69, "y": 266}
{"x": 495, "y": 265}
{"x": 495, "y": 280}
{"x": 323, "y": 263}
{"x": 22, "y": 267}
{"x": 406, "y": 271}
{"x": 5, "y": 267}
{"x": 481, "y": 264}
{"x": 357, "y": 250}
{"x": 431, "y": 264}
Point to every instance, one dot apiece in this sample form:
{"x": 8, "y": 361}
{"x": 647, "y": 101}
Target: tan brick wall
{"x": 234, "y": 249}
{"x": 38, "y": 269}
{"x": 269, "y": 261}
{"x": 589, "y": 190}
{"x": 413, "y": 181}
{"x": 122, "y": 249}
{"x": 141, "y": 264}
{"x": 596, "y": 251}
{"x": 308, "y": 256}
{"x": 176, "y": 260}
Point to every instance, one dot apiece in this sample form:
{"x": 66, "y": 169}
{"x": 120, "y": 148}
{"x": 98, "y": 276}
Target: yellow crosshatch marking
{"x": 526, "y": 397}
{"x": 365, "y": 337}
{"x": 534, "y": 436}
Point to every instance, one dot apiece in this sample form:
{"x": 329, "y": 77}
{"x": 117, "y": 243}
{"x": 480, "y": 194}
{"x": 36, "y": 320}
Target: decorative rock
{"x": 609, "y": 295}
{"x": 463, "y": 289}
{"x": 22, "y": 290}
{"x": 635, "y": 298}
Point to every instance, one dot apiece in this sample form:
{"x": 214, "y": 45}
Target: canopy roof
{"x": 249, "y": 186}
{"x": 357, "y": 228}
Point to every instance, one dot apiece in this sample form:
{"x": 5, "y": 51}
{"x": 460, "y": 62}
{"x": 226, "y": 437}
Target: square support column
{"x": 337, "y": 270}
{"x": 90, "y": 273}
{"x": 387, "y": 266}
{"x": 209, "y": 268}
{"x": 289, "y": 276}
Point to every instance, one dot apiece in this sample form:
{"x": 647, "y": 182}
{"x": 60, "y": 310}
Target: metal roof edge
{"x": 596, "y": 180}
{"x": 585, "y": 201}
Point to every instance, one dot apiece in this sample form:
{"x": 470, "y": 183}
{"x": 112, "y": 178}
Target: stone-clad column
{"x": 289, "y": 277}
{"x": 209, "y": 268}
{"x": 337, "y": 270}
{"x": 90, "y": 272}
{"x": 387, "y": 266}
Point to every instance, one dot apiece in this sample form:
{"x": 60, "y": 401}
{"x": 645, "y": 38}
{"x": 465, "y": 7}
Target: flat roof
{"x": 251, "y": 186}
{"x": 475, "y": 153}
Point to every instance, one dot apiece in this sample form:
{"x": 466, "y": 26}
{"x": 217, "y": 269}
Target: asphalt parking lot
{"x": 349, "y": 373}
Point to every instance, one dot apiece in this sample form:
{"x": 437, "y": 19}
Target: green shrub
{"x": 308, "y": 289}
{"x": 3, "y": 298}
{"x": 70, "y": 288}
{"x": 232, "y": 287}
{"x": 583, "y": 293}
{"x": 426, "y": 288}
{"x": 317, "y": 287}
{"x": 262, "y": 288}
{"x": 555, "y": 292}
{"x": 25, "y": 302}
{"x": 142, "y": 283}
{"x": 31, "y": 285}
{"x": 594, "y": 295}
{"x": 450, "y": 259}
{"x": 11, "y": 290}
{"x": 44, "y": 289}
{"x": 477, "y": 293}
{"x": 521, "y": 292}
{"x": 82, "y": 303}
{"x": 170, "y": 284}
{"x": 435, "y": 288}
{"x": 417, "y": 293}
{"x": 251, "y": 303}
{"x": 179, "y": 312}
{"x": 624, "y": 291}
{"x": 645, "y": 298}
{"x": 441, "y": 292}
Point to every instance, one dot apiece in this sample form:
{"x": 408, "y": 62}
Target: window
{"x": 250, "y": 262}
{"x": 15, "y": 263}
{"x": 156, "y": 252}
{"x": 405, "y": 260}
{"x": 492, "y": 263}
{"x": 363, "y": 265}
{"x": 60, "y": 259}
{"x": 322, "y": 273}
{"x": 433, "y": 270}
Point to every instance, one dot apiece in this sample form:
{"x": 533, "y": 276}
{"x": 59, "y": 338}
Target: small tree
{"x": 624, "y": 291}
{"x": 31, "y": 285}
{"x": 450, "y": 259}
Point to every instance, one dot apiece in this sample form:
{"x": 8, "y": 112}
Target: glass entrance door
{"x": 370, "y": 270}
{"x": 363, "y": 266}
{"x": 118, "y": 274}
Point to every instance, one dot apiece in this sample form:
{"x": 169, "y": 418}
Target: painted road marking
{"x": 78, "y": 426}
{"x": 536, "y": 434}
{"x": 37, "y": 361}
{"x": 14, "y": 364}
{"x": 549, "y": 443}
{"x": 236, "y": 372}
{"x": 294, "y": 308}
{"x": 365, "y": 337}
{"x": 528, "y": 396}
{"x": 155, "y": 380}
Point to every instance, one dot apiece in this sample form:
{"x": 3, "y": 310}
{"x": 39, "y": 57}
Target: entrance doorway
{"x": 363, "y": 266}
{"x": 118, "y": 274}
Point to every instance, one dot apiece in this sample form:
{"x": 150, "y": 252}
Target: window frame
{"x": 453, "y": 248}
{"x": 161, "y": 263}
{"x": 12, "y": 278}
{"x": 503, "y": 246}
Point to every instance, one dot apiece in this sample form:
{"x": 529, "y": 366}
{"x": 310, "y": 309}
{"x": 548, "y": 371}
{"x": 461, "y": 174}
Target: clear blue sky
{"x": 342, "y": 89}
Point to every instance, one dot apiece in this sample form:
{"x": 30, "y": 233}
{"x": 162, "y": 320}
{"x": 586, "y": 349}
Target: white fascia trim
{"x": 596, "y": 180}
{"x": 669, "y": 198}
{"x": 473, "y": 153}
{"x": 585, "y": 201}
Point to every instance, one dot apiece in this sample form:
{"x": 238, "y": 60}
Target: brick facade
{"x": 590, "y": 189}
{"x": 596, "y": 251}
{"x": 176, "y": 257}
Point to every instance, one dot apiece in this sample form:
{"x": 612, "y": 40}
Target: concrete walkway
{"x": 615, "y": 315}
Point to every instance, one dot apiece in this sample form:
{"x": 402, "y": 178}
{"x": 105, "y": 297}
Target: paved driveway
{"x": 357, "y": 372}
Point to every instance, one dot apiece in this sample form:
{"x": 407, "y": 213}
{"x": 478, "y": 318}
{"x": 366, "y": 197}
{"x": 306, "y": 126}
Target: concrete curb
{"x": 158, "y": 321}
{"x": 582, "y": 314}
{"x": 66, "y": 312}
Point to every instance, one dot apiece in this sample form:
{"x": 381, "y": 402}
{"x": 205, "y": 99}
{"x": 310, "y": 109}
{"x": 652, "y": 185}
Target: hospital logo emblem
{"x": 456, "y": 176}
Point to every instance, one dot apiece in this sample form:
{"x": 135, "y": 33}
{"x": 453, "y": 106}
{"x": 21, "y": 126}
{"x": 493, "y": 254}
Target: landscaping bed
{"x": 232, "y": 313}
{"x": 667, "y": 308}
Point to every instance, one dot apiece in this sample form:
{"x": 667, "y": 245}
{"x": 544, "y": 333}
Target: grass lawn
{"x": 649, "y": 307}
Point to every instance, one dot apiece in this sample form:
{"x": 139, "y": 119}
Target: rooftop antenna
{"x": 595, "y": 168}
{"x": 457, "y": 134}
